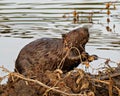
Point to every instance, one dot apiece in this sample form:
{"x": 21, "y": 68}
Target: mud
{"x": 72, "y": 83}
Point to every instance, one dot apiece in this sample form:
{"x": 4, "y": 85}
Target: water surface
{"x": 26, "y": 20}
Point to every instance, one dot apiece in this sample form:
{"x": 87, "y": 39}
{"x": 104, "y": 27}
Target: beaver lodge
{"x": 48, "y": 67}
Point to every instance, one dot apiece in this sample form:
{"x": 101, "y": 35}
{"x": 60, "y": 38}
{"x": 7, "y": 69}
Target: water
{"x": 24, "y": 21}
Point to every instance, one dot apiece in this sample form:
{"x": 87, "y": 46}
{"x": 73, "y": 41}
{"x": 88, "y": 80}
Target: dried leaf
{"x": 87, "y": 65}
{"x": 107, "y": 5}
{"x": 77, "y": 17}
{"x": 108, "y": 20}
{"x": 108, "y": 12}
{"x": 108, "y": 29}
{"x": 74, "y": 13}
{"x": 75, "y": 20}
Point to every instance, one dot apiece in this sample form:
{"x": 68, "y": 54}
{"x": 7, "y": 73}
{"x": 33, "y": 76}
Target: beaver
{"x": 50, "y": 53}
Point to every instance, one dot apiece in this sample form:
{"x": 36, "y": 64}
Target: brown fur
{"x": 47, "y": 53}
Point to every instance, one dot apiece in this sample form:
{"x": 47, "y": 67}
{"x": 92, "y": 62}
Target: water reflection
{"x": 32, "y": 19}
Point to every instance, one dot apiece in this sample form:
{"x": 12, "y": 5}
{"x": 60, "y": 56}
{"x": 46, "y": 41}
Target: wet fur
{"x": 47, "y": 53}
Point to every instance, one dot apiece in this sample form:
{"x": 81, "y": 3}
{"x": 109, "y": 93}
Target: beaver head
{"x": 74, "y": 44}
{"x": 76, "y": 38}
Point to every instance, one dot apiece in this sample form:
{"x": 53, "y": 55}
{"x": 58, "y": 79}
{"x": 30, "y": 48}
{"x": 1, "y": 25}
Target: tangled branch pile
{"x": 56, "y": 83}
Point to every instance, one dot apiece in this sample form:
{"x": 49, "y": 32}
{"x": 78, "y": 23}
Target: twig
{"x": 101, "y": 81}
{"x": 4, "y": 69}
{"x": 110, "y": 86}
{"x": 112, "y": 76}
{"x": 117, "y": 90}
{"x": 108, "y": 59}
{"x": 68, "y": 52}
{"x": 38, "y": 82}
{"x": 62, "y": 61}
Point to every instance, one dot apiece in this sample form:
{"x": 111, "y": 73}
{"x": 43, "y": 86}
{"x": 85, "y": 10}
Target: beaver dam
{"x": 56, "y": 83}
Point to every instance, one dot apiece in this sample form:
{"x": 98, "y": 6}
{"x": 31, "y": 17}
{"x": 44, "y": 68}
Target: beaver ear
{"x": 63, "y": 36}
